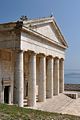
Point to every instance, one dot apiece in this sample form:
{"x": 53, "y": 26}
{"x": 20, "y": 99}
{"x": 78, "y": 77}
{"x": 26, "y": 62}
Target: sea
{"x": 72, "y": 77}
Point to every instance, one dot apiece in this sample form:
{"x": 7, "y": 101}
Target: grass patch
{"x": 9, "y": 112}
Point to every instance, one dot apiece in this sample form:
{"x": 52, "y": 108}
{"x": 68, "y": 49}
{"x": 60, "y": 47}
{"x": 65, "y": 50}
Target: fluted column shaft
{"x": 61, "y": 76}
{"x": 42, "y": 79}
{"x": 49, "y": 81}
{"x": 32, "y": 80}
{"x": 19, "y": 78}
{"x": 56, "y": 76}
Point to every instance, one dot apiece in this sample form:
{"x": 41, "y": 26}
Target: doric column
{"x": 42, "y": 79}
{"x": 19, "y": 78}
{"x": 56, "y": 76}
{"x": 32, "y": 80}
{"x": 49, "y": 78}
{"x": 61, "y": 75}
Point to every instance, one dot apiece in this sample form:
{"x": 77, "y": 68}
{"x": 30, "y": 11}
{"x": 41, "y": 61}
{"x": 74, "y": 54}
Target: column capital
{"x": 62, "y": 59}
{"x": 18, "y": 51}
{"x": 31, "y": 52}
{"x": 50, "y": 57}
{"x": 56, "y": 58}
{"x": 41, "y": 55}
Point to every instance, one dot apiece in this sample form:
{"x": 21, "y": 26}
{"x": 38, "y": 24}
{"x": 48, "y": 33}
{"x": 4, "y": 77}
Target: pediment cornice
{"x": 50, "y": 20}
{"x": 36, "y": 34}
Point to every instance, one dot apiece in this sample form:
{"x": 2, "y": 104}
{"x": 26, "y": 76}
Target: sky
{"x": 65, "y": 12}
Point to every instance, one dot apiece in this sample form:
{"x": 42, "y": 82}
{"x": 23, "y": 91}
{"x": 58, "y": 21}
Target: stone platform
{"x": 61, "y": 104}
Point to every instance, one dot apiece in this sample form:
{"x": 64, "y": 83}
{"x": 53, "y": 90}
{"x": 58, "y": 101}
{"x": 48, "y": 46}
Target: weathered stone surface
{"x": 24, "y": 49}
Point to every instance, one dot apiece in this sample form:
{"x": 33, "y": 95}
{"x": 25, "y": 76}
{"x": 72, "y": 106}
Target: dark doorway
{"x": 6, "y": 94}
{"x": 27, "y": 89}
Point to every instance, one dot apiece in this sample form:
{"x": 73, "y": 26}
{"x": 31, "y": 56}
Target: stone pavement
{"x": 61, "y": 104}
{"x": 73, "y": 108}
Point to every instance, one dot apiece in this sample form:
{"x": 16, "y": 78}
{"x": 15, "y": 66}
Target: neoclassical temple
{"x": 32, "y": 54}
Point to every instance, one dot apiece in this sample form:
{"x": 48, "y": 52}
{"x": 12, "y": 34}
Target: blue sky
{"x": 66, "y": 13}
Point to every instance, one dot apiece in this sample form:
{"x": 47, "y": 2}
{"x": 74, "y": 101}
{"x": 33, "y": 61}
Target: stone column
{"x": 56, "y": 76}
{"x": 42, "y": 79}
{"x": 49, "y": 78}
{"x": 32, "y": 80}
{"x": 19, "y": 78}
{"x": 61, "y": 75}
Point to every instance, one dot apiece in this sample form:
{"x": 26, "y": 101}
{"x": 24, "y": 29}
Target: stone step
{"x": 61, "y": 104}
{"x": 25, "y": 100}
{"x": 56, "y": 104}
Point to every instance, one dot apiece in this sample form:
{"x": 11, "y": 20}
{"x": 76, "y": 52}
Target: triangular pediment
{"x": 48, "y": 28}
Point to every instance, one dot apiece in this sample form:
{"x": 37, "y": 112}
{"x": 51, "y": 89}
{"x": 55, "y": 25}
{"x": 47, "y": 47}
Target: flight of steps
{"x": 25, "y": 101}
{"x": 56, "y": 104}
{"x": 59, "y": 104}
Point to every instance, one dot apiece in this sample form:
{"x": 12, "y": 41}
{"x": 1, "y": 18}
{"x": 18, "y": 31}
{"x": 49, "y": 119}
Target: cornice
{"x": 59, "y": 32}
{"x": 38, "y": 20}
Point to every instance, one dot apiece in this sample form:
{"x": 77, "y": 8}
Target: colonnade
{"x": 51, "y": 78}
